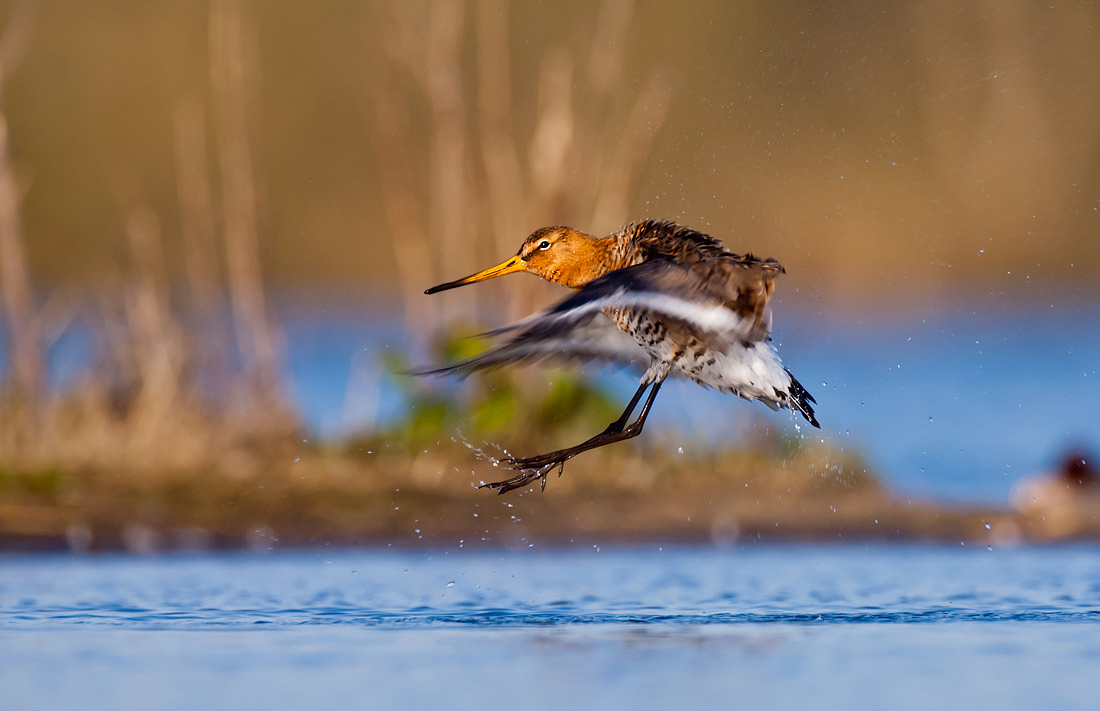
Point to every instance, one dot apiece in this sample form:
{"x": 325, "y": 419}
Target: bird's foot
{"x": 540, "y": 461}
{"x": 529, "y": 468}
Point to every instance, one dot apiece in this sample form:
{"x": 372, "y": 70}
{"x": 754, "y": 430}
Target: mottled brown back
{"x": 743, "y": 282}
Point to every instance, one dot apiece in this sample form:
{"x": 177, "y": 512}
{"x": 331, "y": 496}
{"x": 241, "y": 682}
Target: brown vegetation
{"x": 845, "y": 139}
{"x": 181, "y": 434}
{"x": 381, "y": 494}
{"x": 170, "y": 389}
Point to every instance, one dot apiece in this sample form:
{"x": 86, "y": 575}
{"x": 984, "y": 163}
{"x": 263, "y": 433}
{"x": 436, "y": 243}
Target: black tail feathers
{"x": 800, "y": 400}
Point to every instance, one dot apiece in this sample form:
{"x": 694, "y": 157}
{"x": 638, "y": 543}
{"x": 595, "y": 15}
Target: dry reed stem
{"x": 551, "y": 160}
{"x": 196, "y": 202}
{"x": 580, "y": 164}
{"x": 157, "y": 345}
{"x": 232, "y": 62}
{"x": 144, "y": 409}
{"x": 393, "y": 150}
{"x": 16, "y": 37}
{"x": 503, "y": 173}
{"x": 607, "y": 58}
{"x": 27, "y": 359}
{"x": 449, "y": 172}
{"x": 606, "y": 65}
{"x": 629, "y": 160}
{"x": 209, "y": 334}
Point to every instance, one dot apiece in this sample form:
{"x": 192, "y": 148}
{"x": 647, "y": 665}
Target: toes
{"x": 507, "y": 484}
{"x": 526, "y": 476}
{"x": 529, "y": 468}
{"x": 510, "y": 484}
{"x": 536, "y": 462}
{"x": 519, "y": 463}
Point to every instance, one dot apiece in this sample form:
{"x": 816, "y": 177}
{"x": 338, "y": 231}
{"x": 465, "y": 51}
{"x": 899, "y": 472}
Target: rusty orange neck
{"x": 579, "y": 260}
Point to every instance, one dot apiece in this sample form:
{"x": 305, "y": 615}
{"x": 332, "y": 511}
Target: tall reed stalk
{"x": 466, "y": 197}
{"x": 26, "y": 361}
{"x": 173, "y": 387}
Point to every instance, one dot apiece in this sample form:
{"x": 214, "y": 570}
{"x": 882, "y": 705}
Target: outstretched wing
{"x": 719, "y": 303}
{"x": 593, "y": 338}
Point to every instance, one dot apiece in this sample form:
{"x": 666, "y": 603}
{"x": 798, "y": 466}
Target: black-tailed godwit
{"x": 654, "y": 293}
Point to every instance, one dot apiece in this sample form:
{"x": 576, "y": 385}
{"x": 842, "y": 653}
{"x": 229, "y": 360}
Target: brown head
{"x": 558, "y": 254}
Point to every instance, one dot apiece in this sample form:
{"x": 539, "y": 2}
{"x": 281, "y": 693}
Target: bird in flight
{"x": 656, "y": 294}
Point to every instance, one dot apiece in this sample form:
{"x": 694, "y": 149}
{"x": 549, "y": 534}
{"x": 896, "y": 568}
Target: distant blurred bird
{"x": 653, "y": 293}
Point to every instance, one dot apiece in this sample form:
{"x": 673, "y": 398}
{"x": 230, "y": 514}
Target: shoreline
{"x": 561, "y": 523}
{"x": 297, "y": 497}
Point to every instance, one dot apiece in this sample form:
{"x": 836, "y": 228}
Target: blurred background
{"x": 217, "y": 221}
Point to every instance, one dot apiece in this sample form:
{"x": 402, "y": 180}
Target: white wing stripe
{"x": 708, "y": 317}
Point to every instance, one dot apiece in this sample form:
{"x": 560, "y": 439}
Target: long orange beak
{"x": 508, "y": 266}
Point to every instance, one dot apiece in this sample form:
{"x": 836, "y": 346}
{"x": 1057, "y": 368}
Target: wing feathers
{"x": 726, "y": 305}
{"x": 594, "y": 338}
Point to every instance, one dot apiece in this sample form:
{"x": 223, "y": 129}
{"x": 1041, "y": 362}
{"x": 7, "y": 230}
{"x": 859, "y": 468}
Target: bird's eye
{"x": 544, "y": 245}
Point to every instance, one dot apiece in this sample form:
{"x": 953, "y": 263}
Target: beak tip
{"x": 512, "y": 265}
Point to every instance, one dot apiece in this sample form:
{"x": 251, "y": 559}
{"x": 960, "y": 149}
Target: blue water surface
{"x": 649, "y": 627}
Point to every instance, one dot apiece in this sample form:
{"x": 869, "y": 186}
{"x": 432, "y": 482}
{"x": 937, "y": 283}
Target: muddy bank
{"x": 378, "y": 497}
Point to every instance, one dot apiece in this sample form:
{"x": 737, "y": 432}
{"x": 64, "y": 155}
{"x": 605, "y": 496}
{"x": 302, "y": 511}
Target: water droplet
{"x": 987, "y": 526}
{"x": 679, "y": 450}
{"x": 450, "y": 584}
{"x": 989, "y": 548}
{"x": 930, "y": 419}
{"x": 297, "y": 459}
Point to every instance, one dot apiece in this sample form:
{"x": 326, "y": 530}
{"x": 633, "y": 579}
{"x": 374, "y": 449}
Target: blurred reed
{"x": 484, "y": 180}
{"x": 174, "y": 388}
{"x": 232, "y": 61}
{"x": 190, "y": 371}
{"x": 26, "y": 350}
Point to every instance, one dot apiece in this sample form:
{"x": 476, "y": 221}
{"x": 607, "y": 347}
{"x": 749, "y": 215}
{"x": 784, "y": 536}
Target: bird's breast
{"x": 648, "y": 329}
{"x": 751, "y": 370}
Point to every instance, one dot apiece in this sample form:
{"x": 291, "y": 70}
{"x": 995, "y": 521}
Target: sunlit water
{"x": 654, "y": 627}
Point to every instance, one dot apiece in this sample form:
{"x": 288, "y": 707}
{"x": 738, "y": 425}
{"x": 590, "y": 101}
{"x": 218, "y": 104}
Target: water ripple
{"x": 670, "y": 588}
{"x": 501, "y": 617}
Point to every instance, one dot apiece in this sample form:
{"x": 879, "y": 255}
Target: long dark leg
{"x": 620, "y": 424}
{"x": 531, "y": 468}
{"x": 615, "y": 432}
